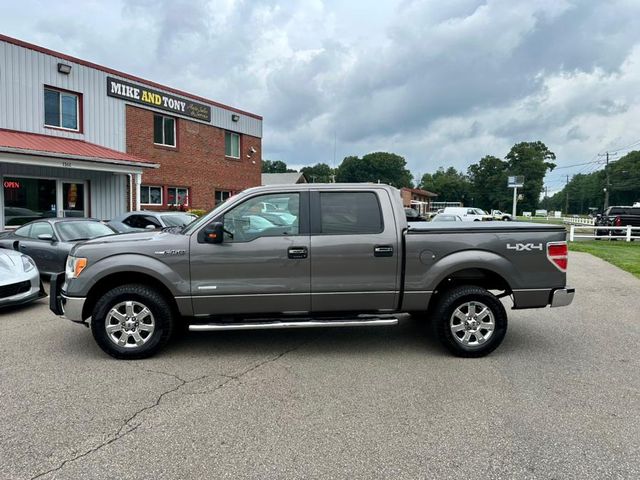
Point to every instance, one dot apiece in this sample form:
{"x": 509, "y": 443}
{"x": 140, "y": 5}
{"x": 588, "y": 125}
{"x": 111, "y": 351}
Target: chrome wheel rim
{"x": 130, "y": 324}
{"x": 472, "y": 324}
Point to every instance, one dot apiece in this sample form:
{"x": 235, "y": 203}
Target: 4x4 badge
{"x": 524, "y": 247}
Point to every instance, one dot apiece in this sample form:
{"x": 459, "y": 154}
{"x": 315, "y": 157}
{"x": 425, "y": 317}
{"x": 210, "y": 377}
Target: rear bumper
{"x": 562, "y": 297}
{"x": 540, "y": 298}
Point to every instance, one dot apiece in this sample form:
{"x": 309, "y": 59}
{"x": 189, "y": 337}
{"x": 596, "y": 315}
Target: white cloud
{"x": 442, "y": 83}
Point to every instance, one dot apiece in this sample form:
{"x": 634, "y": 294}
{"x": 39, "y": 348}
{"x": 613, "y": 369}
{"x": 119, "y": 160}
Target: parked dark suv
{"x": 617, "y": 217}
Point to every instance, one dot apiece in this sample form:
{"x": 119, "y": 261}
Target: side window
{"x": 23, "y": 231}
{"x": 130, "y": 220}
{"x": 471, "y": 212}
{"x": 350, "y": 213}
{"x": 251, "y": 219}
{"x": 40, "y": 228}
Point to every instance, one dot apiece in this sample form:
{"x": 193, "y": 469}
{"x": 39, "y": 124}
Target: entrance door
{"x": 73, "y": 199}
{"x": 263, "y": 264}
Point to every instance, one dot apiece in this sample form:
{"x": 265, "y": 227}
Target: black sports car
{"x": 49, "y": 241}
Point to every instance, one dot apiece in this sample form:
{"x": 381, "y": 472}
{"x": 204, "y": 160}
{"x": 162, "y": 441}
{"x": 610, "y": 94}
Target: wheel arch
{"x": 117, "y": 279}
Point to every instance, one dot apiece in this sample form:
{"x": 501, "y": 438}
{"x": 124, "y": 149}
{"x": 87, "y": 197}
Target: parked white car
{"x": 498, "y": 215}
{"x": 468, "y": 214}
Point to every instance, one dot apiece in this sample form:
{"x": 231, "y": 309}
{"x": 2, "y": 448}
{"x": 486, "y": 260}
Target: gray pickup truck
{"x": 296, "y": 256}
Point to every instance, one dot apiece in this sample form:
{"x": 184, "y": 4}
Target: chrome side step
{"x": 369, "y": 322}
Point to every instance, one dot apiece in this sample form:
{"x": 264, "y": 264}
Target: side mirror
{"x": 214, "y": 233}
{"x": 150, "y": 227}
{"x": 46, "y": 236}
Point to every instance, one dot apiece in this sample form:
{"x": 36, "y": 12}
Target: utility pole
{"x": 566, "y": 205}
{"x": 607, "y": 186}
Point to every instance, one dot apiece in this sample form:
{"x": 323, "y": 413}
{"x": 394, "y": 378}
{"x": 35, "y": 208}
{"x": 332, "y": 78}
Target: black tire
{"x": 161, "y": 317}
{"x": 461, "y": 297}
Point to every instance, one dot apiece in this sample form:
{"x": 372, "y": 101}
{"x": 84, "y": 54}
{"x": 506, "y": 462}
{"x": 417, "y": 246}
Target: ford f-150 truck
{"x": 325, "y": 256}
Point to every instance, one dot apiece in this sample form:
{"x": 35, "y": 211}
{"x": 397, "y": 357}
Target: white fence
{"x": 605, "y": 233}
{"x": 578, "y": 221}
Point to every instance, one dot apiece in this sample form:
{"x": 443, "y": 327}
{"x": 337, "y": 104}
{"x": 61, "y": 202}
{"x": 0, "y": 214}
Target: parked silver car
{"x": 143, "y": 220}
{"x": 49, "y": 241}
{"x": 19, "y": 279}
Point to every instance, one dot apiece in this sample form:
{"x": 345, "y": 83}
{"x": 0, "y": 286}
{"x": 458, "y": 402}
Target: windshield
{"x": 199, "y": 221}
{"x": 177, "y": 219}
{"x": 82, "y": 230}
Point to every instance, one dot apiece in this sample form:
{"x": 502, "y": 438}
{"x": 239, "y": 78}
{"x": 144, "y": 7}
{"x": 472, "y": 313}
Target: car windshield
{"x": 177, "y": 219}
{"x": 82, "y": 230}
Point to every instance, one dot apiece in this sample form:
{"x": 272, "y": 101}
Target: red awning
{"x": 45, "y": 145}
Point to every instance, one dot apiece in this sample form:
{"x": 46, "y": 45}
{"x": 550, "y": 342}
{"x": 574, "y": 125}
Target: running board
{"x": 371, "y": 322}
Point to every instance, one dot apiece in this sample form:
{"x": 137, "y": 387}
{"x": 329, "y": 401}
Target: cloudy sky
{"x": 442, "y": 83}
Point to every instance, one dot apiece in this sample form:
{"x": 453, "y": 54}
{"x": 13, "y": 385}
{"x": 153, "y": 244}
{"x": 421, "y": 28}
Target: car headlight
{"x": 75, "y": 266}
{"x": 27, "y": 263}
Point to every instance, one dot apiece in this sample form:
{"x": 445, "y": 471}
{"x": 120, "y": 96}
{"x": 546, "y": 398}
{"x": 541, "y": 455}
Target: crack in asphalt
{"x": 182, "y": 382}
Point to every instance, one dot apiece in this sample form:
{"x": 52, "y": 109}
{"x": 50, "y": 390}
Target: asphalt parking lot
{"x": 559, "y": 399}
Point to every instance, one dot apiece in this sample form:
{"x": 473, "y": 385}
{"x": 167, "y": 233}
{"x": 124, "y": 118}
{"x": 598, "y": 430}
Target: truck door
{"x": 262, "y": 265}
{"x": 354, "y": 251}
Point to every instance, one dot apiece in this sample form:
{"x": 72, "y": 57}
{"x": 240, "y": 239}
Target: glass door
{"x": 73, "y": 199}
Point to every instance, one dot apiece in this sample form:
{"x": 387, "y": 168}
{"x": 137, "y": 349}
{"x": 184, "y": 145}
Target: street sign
{"x": 515, "y": 181}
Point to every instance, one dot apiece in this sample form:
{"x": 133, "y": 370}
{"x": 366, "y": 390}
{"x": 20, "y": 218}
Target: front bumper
{"x": 562, "y": 297}
{"x": 35, "y": 291}
{"x": 62, "y": 305}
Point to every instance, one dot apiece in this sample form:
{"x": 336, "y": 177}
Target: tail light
{"x": 558, "y": 254}
{"x": 617, "y": 222}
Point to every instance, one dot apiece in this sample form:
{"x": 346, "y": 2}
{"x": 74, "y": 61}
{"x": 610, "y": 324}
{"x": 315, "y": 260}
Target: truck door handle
{"x": 383, "y": 251}
{"x": 297, "y": 252}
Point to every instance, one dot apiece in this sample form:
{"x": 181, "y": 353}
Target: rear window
{"x": 343, "y": 213}
{"x": 617, "y": 211}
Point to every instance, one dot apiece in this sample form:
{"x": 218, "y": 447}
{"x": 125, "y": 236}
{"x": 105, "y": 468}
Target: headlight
{"x": 27, "y": 263}
{"x": 75, "y": 266}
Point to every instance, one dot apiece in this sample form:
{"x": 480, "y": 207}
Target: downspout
{"x": 138, "y": 181}
{"x": 130, "y": 192}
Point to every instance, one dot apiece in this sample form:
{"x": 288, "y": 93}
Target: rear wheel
{"x": 470, "y": 321}
{"x": 132, "y": 321}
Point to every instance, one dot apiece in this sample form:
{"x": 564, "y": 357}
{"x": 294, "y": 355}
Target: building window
{"x": 61, "y": 109}
{"x": 232, "y": 145}
{"x": 164, "y": 130}
{"x": 150, "y": 195}
{"x": 177, "y": 196}
{"x": 222, "y": 196}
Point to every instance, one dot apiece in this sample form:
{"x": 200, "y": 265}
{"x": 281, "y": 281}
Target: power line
{"x": 617, "y": 149}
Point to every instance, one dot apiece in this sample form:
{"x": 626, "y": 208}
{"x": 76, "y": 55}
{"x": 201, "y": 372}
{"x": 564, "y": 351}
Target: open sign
{"x": 11, "y": 184}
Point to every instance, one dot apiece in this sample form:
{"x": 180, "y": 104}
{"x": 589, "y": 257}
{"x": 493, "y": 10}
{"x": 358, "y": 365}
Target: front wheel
{"x": 470, "y": 321}
{"x": 132, "y": 322}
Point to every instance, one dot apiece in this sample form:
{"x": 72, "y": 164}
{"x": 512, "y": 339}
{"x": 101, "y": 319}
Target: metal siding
{"x": 107, "y": 190}
{"x": 24, "y": 72}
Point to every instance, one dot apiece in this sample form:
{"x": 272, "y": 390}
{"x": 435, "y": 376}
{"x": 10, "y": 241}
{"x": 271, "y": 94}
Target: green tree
{"x": 531, "y": 159}
{"x": 375, "y": 167}
{"x": 275, "y": 166}
{"x": 449, "y": 184}
{"x": 319, "y": 173}
{"x": 489, "y": 183}
{"x": 587, "y": 191}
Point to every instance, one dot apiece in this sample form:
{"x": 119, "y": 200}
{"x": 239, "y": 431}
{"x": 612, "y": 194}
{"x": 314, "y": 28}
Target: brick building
{"x": 81, "y": 139}
{"x": 417, "y": 198}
